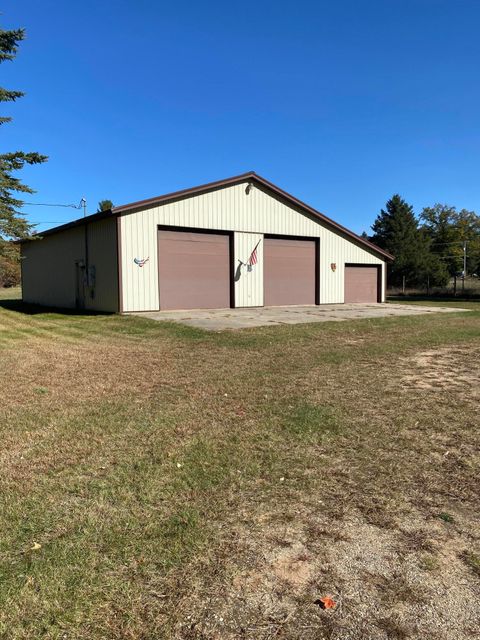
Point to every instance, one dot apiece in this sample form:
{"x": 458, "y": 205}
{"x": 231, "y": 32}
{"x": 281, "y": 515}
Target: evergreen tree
{"x": 396, "y": 230}
{"x": 104, "y": 205}
{"x": 12, "y": 223}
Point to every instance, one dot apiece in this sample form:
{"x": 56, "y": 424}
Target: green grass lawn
{"x": 159, "y": 481}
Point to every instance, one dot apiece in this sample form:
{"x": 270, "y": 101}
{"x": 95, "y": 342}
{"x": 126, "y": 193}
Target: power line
{"x": 442, "y": 244}
{"x": 81, "y": 205}
{"x": 459, "y": 256}
{"x": 46, "y": 204}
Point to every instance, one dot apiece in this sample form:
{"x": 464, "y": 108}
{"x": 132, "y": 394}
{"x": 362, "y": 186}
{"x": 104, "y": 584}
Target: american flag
{"x": 253, "y": 256}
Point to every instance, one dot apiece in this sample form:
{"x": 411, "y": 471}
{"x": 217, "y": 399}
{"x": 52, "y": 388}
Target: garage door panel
{"x": 289, "y": 271}
{"x": 361, "y": 283}
{"x": 194, "y": 270}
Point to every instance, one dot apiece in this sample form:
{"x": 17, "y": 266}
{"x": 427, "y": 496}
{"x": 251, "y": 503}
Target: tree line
{"x": 429, "y": 249}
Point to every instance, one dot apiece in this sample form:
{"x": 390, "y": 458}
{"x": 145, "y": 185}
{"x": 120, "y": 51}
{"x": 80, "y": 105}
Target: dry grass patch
{"x": 436, "y": 370}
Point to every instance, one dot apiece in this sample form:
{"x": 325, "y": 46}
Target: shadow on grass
{"x": 25, "y": 308}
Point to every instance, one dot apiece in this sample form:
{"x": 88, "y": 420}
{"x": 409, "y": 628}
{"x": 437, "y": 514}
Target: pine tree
{"x": 104, "y": 205}
{"x": 396, "y": 230}
{"x": 12, "y": 223}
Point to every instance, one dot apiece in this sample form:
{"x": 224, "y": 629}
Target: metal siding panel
{"x": 248, "y": 285}
{"x": 231, "y": 209}
{"x": 102, "y": 242}
{"x": 48, "y": 268}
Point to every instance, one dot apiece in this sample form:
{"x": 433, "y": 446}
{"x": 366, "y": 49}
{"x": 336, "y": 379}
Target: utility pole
{"x": 464, "y": 265}
{"x": 83, "y": 203}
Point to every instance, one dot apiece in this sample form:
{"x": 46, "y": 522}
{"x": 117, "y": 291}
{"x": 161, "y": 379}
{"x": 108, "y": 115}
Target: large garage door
{"x": 194, "y": 270}
{"x": 289, "y": 271}
{"x": 361, "y": 283}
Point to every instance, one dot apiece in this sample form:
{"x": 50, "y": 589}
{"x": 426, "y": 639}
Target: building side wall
{"x": 49, "y": 267}
{"x": 102, "y": 246}
{"x": 232, "y": 209}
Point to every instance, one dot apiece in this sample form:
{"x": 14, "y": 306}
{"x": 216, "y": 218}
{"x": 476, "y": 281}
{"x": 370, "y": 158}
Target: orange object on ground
{"x": 326, "y": 603}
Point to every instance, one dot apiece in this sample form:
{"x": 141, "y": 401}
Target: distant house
{"x": 239, "y": 242}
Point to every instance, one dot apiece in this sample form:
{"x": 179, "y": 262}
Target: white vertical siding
{"x": 248, "y": 284}
{"x": 232, "y": 209}
{"x": 139, "y": 239}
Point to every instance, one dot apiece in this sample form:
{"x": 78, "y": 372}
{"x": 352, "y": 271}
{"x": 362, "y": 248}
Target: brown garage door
{"x": 361, "y": 283}
{"x": 289, "y": 271}
{"x": 194, "y": 270}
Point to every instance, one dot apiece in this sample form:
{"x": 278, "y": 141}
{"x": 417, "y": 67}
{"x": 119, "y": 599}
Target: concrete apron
{"x": 221, "y": 319}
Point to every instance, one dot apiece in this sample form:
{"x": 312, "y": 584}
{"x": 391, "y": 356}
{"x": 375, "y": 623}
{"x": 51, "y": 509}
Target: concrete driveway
{"x": 220, "y": 319}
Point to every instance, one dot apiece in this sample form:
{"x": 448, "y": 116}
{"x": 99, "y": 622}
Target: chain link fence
{"x": 460, "y": 287}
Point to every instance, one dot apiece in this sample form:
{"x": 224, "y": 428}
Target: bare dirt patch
{"x": 380, "y": 585}
{"x": 444, "y": 368}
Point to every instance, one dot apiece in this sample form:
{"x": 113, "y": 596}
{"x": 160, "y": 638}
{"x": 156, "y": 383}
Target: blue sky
{"x": 340, "y": 103}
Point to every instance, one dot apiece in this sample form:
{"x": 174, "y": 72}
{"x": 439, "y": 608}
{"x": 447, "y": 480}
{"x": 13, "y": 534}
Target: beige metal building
{"x": 240, "y": 242}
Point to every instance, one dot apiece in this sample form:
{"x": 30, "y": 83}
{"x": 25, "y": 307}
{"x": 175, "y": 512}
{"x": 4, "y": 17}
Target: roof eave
{"x": 93, "y": 217}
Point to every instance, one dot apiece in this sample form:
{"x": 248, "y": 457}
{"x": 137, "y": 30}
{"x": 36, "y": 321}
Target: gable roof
{"x": 250, "y": 176}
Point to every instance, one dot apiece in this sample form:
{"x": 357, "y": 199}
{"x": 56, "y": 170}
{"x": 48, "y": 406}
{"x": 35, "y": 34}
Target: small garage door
{"x": 289, "y": 271}
{"x": 361, "y": 283}
{"x": 194, "y": 270}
